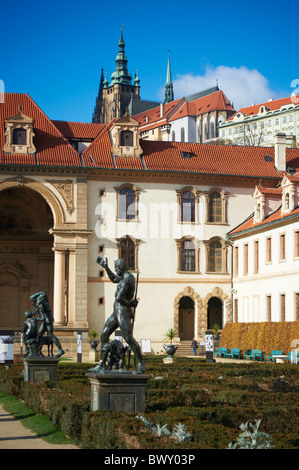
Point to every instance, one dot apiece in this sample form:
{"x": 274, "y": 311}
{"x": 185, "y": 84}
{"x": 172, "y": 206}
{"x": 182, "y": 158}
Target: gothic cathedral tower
{"x": 113, "y": 100}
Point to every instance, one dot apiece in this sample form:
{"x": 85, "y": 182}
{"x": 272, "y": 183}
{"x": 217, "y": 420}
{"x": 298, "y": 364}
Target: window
{"x": 215, "y": 208}
{"x": 19, "y": 136}
{"x": 127, "y": 249}
{"x": 126, "y": 138}
{"x": 187, "y": 200}
{"x": 282, "y": 247}
{"x": 182, "y": 134}
{"x": 173, "y": 136}
{"x": 296, "y": 245}
{"x": 256, "y": 257}
{"x": 296, "y": 306}
{"x": 269, "y": 307}
{"x": 269, "y": 250}
{"x": 245, "y": 259}
{"x": 215, "y": 261}
{"x": 236, "y": 260}
{"x": 277, "y": 122}
{"x": 188, "y": 256}
{"x": 216, "y": 255}
{"x": 127, "y": 204}
{"x": 236, "y": 310}
{"x": 282, "y": 307}
{"x": 127, "y": 200}
{"x": 188, "y": 207}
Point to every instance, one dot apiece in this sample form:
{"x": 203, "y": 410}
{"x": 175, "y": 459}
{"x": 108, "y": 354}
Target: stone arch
{"x": 44, "y": 191}
{"x": 217, "y": 292}
{"x": 198, "y": 309}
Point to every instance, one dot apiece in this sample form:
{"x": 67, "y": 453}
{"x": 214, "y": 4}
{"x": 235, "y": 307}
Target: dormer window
{"x": 126, "y": 138}
{"x": 19, "y": 134}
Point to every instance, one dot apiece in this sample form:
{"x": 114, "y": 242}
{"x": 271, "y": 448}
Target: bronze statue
{"x": 30, "y": 335}
{"x": 42, "y": 307}
{"x": 122, "y": 316}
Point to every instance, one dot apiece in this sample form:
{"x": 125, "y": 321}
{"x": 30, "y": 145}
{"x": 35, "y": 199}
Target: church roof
{"x": 51, "y": 146}
{"x": 183, "y": 107}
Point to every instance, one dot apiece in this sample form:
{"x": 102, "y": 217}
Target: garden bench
{"x": 256, "y": 355}
{"x": 234, "y": 353}
{"x": 273, "y": 353}
{"x": 221, "y": 352}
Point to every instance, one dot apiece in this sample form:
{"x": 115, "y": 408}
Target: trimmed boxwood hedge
{"x": 210, "y": 400}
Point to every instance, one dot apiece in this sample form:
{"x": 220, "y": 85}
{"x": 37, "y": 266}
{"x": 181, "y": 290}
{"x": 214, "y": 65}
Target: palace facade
{"x": 70, "y": 192}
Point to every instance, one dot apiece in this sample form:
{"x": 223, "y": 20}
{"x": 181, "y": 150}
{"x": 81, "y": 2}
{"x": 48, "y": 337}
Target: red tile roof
{"x": 204, "y": 158}
{"x": 272, "y": 105}
{"x": 272, "y": 191}
{"x": 51, "y": 147}
{"x": 275, "y": 216}
{"x": 79, "y": 130}
{"x": 180, "y": 108}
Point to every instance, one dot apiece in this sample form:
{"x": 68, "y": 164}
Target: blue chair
{"x": 247, "y": 353}
{"x": 273, "y": 353}
{"x": 221, "y": 352}
{"x": 234, "y": 353}
{"x": 256, "y": 355}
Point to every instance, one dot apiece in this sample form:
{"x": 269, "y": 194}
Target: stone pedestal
{"x": 117, "y": 391}
{"x": 40, "y": 369}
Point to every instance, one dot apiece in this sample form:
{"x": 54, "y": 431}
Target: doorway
{"x": 214, "y": 313}
{"x": 26, "y": 255}
{"x": 186, "y": 318}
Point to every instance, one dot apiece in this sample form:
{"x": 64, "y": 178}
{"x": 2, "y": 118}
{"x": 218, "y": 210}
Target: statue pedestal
{"x": 40, "y": 369}
{"x": 118, "y": 391}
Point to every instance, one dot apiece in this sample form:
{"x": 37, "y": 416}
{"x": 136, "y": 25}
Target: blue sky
{"x": 54, "y": 51}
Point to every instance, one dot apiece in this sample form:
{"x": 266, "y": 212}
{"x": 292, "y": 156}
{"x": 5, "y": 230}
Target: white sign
{"x": 6, "y": 348}
{"x": 146, "y": 345}
{"x": 209, "y": 343}
{"x": 79, "y": 344}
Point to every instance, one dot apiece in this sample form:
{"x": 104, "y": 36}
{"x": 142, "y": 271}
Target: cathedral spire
{"x": 99, "y": 99}
{"x": 121, "y": 74}
{"x": 168, "y": 93}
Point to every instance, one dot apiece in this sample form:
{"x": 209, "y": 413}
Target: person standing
{"x": 194, "y": 346}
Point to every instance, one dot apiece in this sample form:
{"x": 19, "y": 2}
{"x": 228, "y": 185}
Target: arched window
{"x": 188, "y": 256}
{"x": 126, "y": 138}
{"x": 215, "y": 259}
{"x": 126, "y": 204}
{"x": 182, "y": 134}
{"x": 188, "y": 207}
{"x": 216, "y": 255}
{"x": 215, "y": 208}
{"x": 19, "y": 136}
{"x": 127, "y": 251}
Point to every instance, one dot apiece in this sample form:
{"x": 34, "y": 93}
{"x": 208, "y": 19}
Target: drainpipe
{"x": 231, "y": 244}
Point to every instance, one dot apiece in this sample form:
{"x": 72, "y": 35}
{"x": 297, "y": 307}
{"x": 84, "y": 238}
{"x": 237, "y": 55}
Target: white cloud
{"x": 241, "y": 85}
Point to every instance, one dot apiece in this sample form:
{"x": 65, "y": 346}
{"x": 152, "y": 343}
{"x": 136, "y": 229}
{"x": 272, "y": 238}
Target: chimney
{"x": 162, "y": 109}
{"x": 280, "y": 151}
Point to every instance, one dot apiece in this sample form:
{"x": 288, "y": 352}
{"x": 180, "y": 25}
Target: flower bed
{"x": 210, "y": 401}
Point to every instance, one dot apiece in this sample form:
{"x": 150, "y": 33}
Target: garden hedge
{"x": 266, "y": 336}
{"x": 211, "y": 400}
